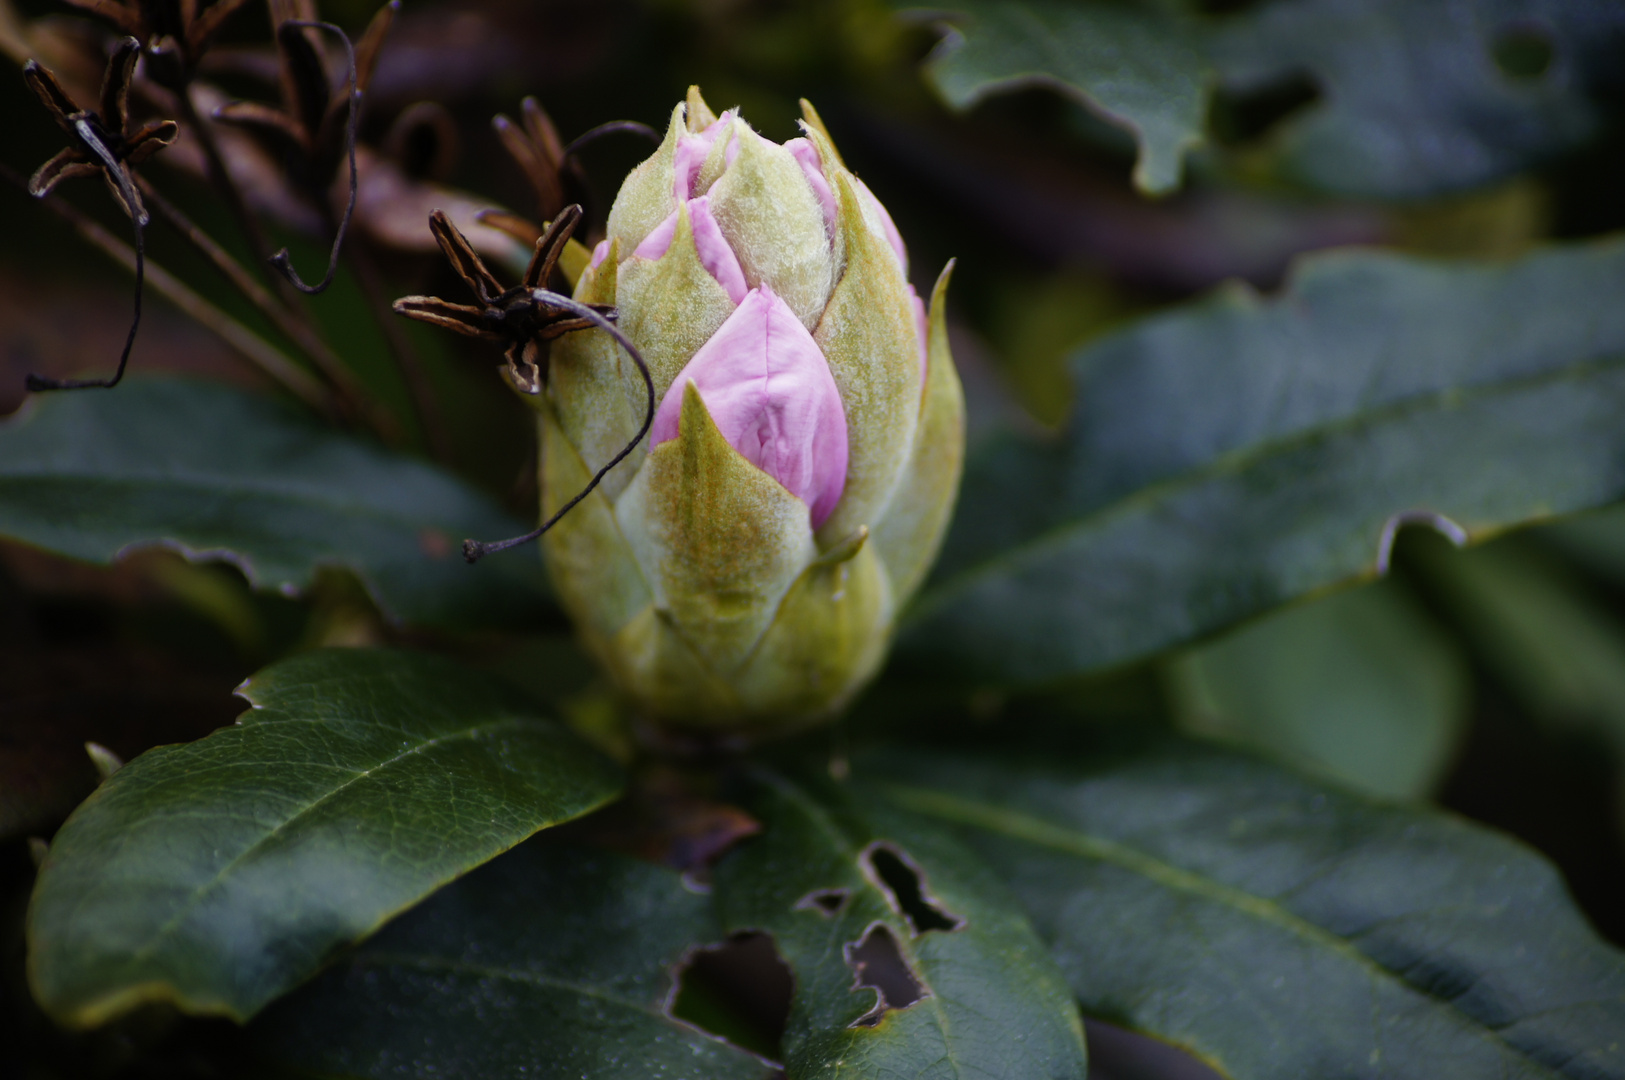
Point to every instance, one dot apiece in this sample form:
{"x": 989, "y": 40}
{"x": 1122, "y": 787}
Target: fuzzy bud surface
{"x": 742, "y": 569}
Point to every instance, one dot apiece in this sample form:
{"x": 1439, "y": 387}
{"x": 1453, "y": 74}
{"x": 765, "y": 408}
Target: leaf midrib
{"x": 1236, "y": 461}
{"x": 1039, "y": 832}
{"x": 145, "y": 952}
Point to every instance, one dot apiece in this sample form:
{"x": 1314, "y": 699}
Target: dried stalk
{"x": 424, "y": 401}
{"x": 296, "y": 329}
{"x": 249, "y": 345}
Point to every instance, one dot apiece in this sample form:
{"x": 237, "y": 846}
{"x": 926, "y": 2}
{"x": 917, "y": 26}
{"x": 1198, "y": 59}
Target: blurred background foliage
{"x": 1089, "y": 163}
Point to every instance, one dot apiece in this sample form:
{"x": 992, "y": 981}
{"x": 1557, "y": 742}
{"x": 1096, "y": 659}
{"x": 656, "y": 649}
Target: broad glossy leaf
{"x": 219, "y": 473}
{"x": 1139, "y": 67}
{"x": 990, "y": 1002}
{"x": 1276, "y": 927}
{"x": 219, "y": 874}
{"x": 1243, "y": 451}
{"x": 1414, "y": 100}
{"x": 552, "y": 962}
{"x": 1362, "y": 686}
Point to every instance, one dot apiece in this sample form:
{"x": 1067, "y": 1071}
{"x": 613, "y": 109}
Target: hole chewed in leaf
{"x": 877, "y": 964}
{"x": 892, "y": 872}
{"x": 827, "y": 902}
{"x": 738, "y": 992}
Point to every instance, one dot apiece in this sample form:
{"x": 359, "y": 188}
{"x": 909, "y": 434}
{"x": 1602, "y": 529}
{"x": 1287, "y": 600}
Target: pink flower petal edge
{"x": 770, "y": 392}
{"x": 658, "y": 242}
{"x": 806, "y": 155}
{"x": 601, "y": 252}
{"x": 692, "y": 150}
{"x": 716, "y": 255}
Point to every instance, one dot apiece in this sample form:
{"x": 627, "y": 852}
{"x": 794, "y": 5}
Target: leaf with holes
{"x": 219, "y": 473}
{"x": 1139, "y": 67}
{"x": 1418, "y": 99}
{"x": 1273, "y": 926}
{"x": 552, "y": 962}
{"x": 1241, "y": 452}
{"x": 219, "y": 874}
{"x": 910, "y": 959}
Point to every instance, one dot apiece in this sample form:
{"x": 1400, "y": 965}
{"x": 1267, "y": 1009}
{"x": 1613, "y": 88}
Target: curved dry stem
{"x": 592, "y": 135}
{"x": 138, "y": 222}
{"x": 282, "y": 260}
{"x": 474, "y": 550}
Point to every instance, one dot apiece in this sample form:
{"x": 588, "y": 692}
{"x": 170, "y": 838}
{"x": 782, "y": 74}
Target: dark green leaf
{"x": 992, "y": 1002}
{"x": 1523, "y": 80}
{"x": 1239, "y": 453}
{"x": 1138, "y": 67}
{"x": 1420, "y": 98}
{"x": 1278, "y": 928}
{"x": 220, "y": 874}
{"x": 219, "y": 473}
{"x": 1363, "y": 686}
{"x": 552, "y": 962}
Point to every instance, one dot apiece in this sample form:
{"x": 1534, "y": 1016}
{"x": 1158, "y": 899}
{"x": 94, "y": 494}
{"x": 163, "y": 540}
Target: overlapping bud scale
{"x": 742, "y": 569}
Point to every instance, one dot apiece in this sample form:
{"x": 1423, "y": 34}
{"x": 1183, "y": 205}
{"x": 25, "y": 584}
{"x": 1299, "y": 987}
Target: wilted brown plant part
{"x": 174, "y": 33}
{"x": 513, "y": 318}
{"x": 314, "y": 129}
{"x": 551, "y": 167}
{"x": 98, "y": 144}
{"x": 524, "y": 319}
{"x": 306, "y": 128}
{"x": 535, "y": 145}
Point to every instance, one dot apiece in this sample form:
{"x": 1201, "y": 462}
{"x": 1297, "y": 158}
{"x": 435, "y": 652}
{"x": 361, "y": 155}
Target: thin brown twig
{"x": 237, "y": 202}
{"x": 247, "y": 344}
{"x": 424, "y": 401}
{"x": 220, "y": 177}
{"x": 352, "y": 394}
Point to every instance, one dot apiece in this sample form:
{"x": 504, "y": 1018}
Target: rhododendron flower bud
{"x": 742, "y": 568}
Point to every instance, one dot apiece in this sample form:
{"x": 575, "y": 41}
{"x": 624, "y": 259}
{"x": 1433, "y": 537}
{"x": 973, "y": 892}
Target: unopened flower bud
{"x": 741, "y": 570}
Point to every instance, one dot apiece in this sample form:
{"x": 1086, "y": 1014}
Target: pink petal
{"x": 771, "y": 395}
{"x": 715, "y": 254}
{"x": 806, "y": 155}
{"x": 922, "y": 323}
{"x": 601, "y": 252}
{"x": 658, "y": 242}
{"x": 692, "y": 150}
{"x": 893, "y": 237}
